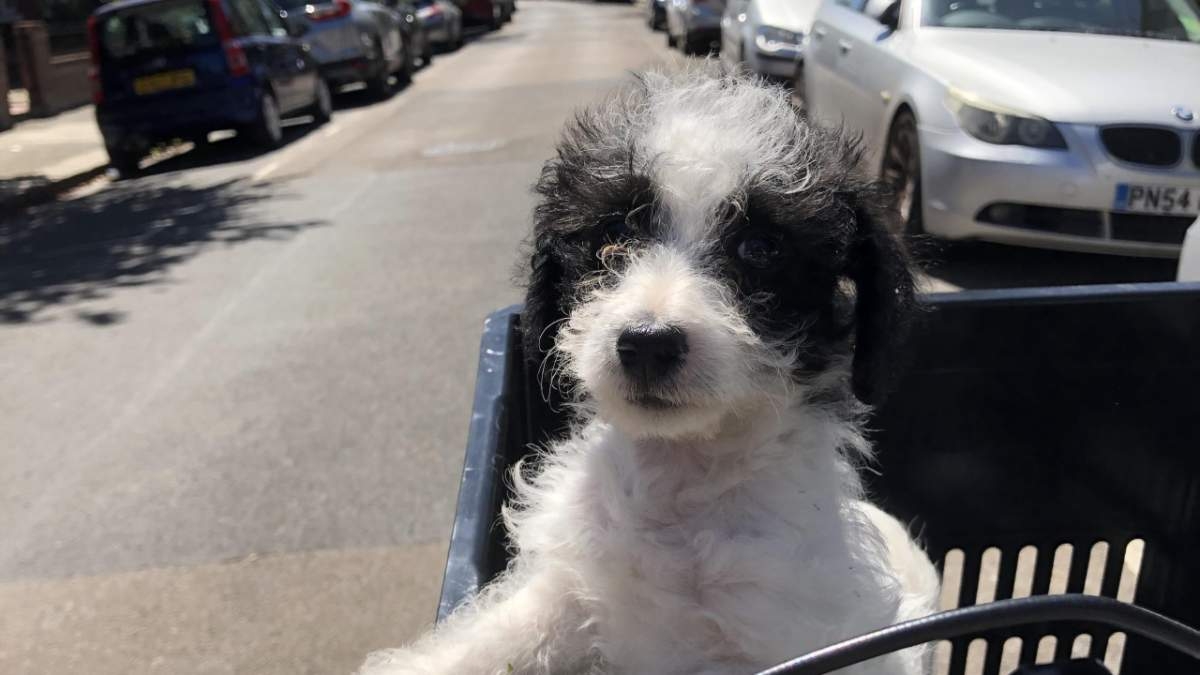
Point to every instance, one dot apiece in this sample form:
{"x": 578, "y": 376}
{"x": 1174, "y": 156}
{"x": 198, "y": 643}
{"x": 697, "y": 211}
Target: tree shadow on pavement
{"x": 984, "y": 265}
{"x": 130, "y": 234}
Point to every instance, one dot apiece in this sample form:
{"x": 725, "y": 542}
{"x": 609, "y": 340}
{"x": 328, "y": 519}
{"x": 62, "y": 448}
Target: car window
{"x": 856, "y": 5}
{"x": 247, "y": 19}
{"x": 275, "y": 23}
{"x": 163, "y": 26}
{"x": 1159, "y": 19}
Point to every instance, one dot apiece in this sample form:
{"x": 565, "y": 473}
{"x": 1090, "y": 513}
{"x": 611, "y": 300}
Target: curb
{"x": 47, "y": 191}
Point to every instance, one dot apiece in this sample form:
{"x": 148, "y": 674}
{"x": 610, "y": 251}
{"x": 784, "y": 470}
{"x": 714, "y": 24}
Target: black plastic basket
{"x": 1029, "y": 419}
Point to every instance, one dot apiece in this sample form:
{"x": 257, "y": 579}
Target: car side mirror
{"x": 890, "y": 16}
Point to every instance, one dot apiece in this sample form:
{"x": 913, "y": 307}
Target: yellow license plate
{"x": 171, "y": 79}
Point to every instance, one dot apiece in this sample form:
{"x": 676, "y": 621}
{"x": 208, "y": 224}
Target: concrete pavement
{"x": 40, "y": 156}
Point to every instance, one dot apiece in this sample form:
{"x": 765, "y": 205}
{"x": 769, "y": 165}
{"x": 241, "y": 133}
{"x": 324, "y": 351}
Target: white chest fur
{"x": 741, "y": 551}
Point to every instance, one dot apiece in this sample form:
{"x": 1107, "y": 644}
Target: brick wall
{"x": 55, "y": 82}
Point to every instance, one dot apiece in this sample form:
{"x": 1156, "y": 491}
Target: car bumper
{"x": 350, "y": 70}
{"x": 143, "y": 121}
{"x": 477, "y": 11}
{"x": 780, "y": 65}
{"x": 438, "y": 32}
{"x": 1044, "y": 198}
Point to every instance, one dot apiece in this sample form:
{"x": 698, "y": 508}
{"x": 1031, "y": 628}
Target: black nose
{"x": 651, "y": 352}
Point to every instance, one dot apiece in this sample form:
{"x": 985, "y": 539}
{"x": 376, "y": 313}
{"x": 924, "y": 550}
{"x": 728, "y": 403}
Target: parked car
{"x": 656, "y": 14}
{"x": 694, "y": 26}
{"x": 1057, "y": 123}
{"x": 414, "y": 30}
{"x": 356, "y": 41}
{"x": 168, "y": 69}
{"x": 766, "y": 35}
{"x": 489, "y": 13}
{"x": 442, "y": 21}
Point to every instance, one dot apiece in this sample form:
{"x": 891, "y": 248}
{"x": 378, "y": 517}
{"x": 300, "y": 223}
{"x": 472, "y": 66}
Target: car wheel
{"x": 404, "y": 76}
{"x": 427, "y": 53}
{"x": 902, "y": 171}
{"x": 686, "y": 44}
{"x": 267, "y": 130}
{"x": 798, "y": 89}
{"x": 380, "y": 83}
{"x": 124, "y": 161}
{"x": 322, "y": 107}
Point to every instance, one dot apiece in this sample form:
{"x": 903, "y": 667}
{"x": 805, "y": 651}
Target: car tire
{"x": 267, "y": 130}
{"x": 427, "y": 53}
{"x": 798, "y": 89}
{"x": 686, "y": 45}
{"x": 380, "y": 82}
{"x": 902, "y": 171}
{"x": 404, "y": 76}
{"x": 322, "y": 107}
{"x": 124, "y": 161}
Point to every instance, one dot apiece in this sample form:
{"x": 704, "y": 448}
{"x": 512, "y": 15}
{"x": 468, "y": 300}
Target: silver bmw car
{"x": 1070, "y": 124}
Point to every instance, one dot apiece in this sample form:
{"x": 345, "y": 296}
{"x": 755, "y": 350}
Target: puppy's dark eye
{"x": 614, "y": 227}
{"x": 758, "y": 250}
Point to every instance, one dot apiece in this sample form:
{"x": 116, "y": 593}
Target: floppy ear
{"x": 881, "y": 270}
{"x": 543, "y": 300}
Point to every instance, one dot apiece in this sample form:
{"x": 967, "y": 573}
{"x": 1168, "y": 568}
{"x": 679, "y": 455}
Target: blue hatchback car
{"x": 178, "y": 69}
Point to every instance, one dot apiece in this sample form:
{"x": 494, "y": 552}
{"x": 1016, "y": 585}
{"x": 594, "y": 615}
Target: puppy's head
{"x": 701, "y": 252}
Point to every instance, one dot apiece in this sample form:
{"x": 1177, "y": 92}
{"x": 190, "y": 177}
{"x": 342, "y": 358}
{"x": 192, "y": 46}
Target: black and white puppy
{"x": 714, "y": 282}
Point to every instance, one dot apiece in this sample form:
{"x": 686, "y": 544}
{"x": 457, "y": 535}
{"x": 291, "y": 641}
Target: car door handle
{"x": 818, "y": 33}
{"x": 844, "y": 46}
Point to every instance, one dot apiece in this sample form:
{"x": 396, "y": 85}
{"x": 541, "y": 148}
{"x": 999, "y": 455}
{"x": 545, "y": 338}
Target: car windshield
{"x": 163, "y": 26}
{"x": 1159, "y": 19}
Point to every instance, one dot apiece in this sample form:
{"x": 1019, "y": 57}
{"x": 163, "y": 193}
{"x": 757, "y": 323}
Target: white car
{"x": 1057, "y": 123}
{"x": 766, "y": 35}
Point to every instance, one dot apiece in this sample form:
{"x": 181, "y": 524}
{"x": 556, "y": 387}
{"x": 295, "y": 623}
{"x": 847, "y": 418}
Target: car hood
{"x": 794, "y": 15}
{"x": 1066, "y": 77}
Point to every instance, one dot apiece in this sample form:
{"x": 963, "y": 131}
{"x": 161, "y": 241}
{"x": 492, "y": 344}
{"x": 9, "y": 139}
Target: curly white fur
{"x": 719, "y": 535}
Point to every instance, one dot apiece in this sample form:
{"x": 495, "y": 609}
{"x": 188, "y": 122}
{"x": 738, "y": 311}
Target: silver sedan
{"x": 1058, "y": 123}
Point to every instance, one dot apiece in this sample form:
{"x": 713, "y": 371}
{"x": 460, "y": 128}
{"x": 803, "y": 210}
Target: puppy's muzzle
{"x": 649, "y": 353}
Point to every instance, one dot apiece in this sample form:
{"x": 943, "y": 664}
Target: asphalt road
{"x": 235, "y": 391}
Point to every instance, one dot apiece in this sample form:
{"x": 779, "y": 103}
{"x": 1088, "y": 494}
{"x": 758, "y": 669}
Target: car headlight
{"x": 771, "y": 39}
{"x": 994, "y": 124}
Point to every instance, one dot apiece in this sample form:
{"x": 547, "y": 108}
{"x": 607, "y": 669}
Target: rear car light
{"x": 93, "y": 32}
{"x": 336, "y": 10}
{"x": 235, "y": 56}
{"x": 429, "y": 12}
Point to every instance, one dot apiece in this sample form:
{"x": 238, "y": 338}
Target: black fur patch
{"x": 818, "y": 268}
